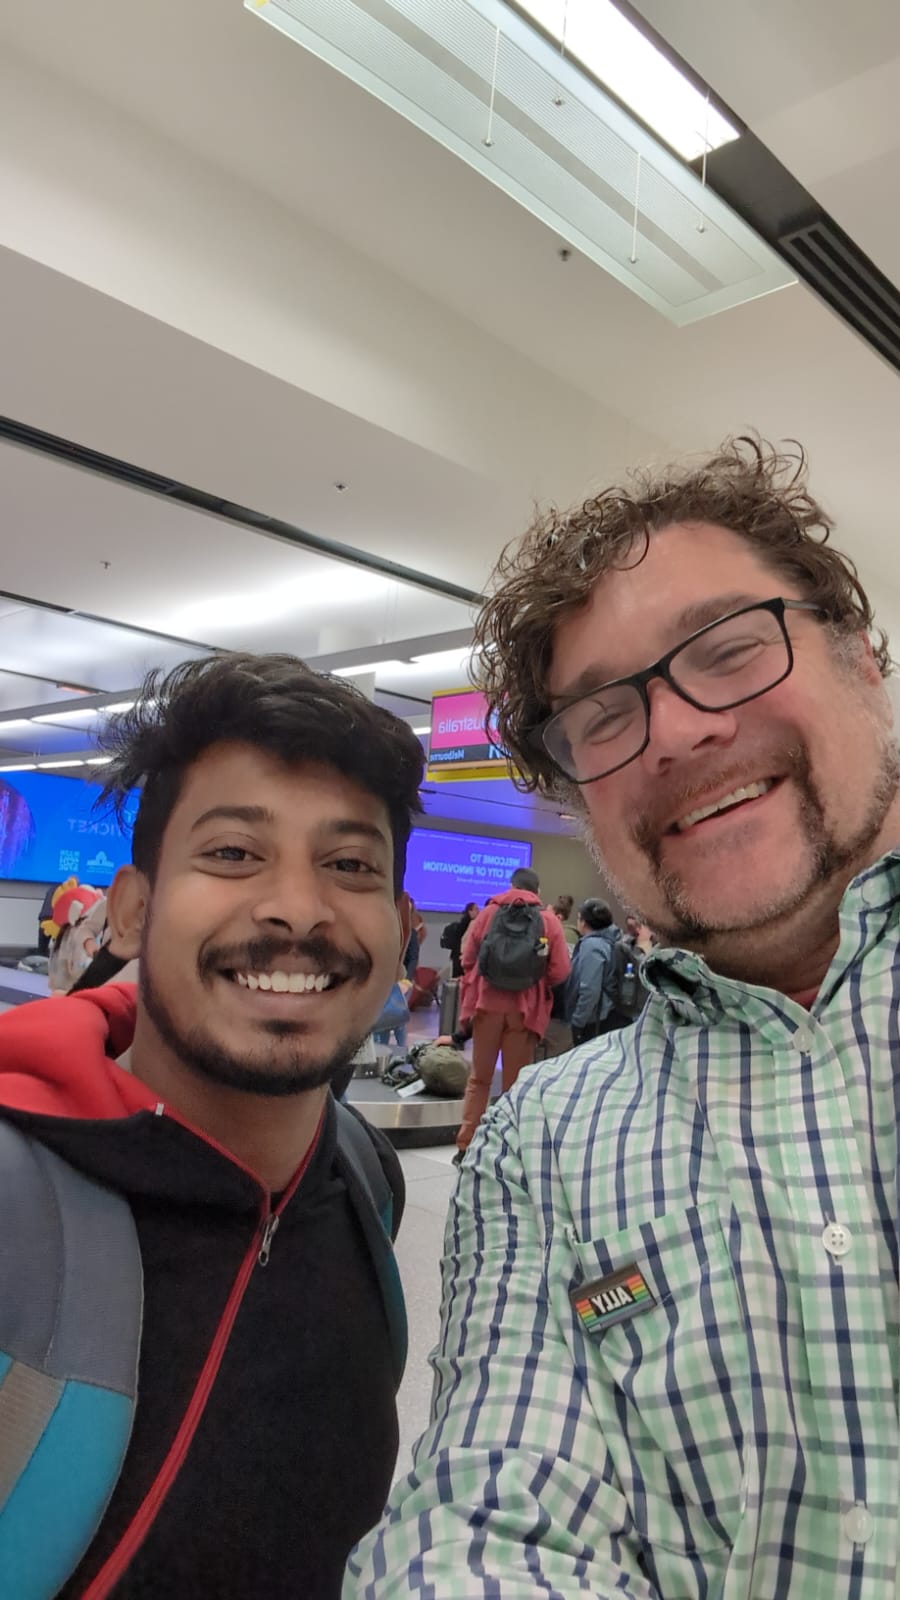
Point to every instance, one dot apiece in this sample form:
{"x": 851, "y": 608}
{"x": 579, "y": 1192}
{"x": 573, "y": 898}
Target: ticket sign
{"x": 459, "y": 737}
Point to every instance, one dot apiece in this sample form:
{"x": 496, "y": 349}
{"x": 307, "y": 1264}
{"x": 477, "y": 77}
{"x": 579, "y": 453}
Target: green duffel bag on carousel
{"x": 443, "y": 1070}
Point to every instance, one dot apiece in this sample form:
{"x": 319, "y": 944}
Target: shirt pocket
{"x": 671, "y": 1383}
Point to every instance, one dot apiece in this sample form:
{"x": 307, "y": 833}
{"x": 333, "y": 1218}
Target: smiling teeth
{"x": 753, "y": 791}
{"x": 285, "y": 982}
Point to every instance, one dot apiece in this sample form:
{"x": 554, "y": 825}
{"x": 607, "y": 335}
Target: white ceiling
{"x": 231, "y": 266}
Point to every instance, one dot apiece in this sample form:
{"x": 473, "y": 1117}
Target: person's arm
{"x": 508, "y": 1498}
{"x": 471, "y": 944}
{"x": 592, "y": 965}
{"x": 559, "y": 961}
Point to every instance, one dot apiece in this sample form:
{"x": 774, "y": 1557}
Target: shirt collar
{"x": 693, "y": 993}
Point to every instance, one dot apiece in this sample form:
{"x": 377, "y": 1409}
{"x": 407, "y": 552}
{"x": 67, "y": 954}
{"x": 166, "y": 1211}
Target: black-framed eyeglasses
{"x": 730, "y": 661}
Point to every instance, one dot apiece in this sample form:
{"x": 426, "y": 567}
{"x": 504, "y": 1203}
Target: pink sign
{"x": 458, "y": 733}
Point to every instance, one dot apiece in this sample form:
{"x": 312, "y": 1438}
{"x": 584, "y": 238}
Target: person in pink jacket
{"x": 507, "y": 1021}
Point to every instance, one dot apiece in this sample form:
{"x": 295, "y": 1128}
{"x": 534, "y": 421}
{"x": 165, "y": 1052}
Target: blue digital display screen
{"x": 445, "y": 871}
{"x": 50, "y": 830}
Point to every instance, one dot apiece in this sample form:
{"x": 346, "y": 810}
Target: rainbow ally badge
{"x": 622, "y": 1295}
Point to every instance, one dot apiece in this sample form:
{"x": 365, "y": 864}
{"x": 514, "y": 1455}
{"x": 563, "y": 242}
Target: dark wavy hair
{"x": 596, "y": 915}
{"x": 273, "y": 702}
{"x": 748, "y": 486}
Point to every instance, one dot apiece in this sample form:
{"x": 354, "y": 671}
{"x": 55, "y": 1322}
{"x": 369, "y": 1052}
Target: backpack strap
{"x": 378, "y": 1202}
{"x": 71, "y": 1303}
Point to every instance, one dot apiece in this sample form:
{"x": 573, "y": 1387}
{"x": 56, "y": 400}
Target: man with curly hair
{"x": 670, "y": 1351}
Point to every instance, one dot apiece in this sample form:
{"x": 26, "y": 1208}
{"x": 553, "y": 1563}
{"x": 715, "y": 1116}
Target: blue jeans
{"x": 399, "y": 1035}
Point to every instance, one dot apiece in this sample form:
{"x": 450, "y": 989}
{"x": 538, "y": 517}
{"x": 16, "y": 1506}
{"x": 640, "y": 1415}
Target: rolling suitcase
{"x": 448, "y": 1019}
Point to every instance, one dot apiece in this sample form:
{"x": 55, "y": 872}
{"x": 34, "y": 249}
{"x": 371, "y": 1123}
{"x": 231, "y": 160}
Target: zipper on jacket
{"x": 258, "y": 1254}
{"x": 269, "y": 1230}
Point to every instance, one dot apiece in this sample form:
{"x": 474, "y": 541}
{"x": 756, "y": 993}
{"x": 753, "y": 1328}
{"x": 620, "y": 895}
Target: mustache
{"x": 259, "y": 954}
{"x": 673, "y": 801}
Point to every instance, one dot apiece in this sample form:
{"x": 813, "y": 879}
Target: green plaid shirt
{"x": 733, "y": 1433}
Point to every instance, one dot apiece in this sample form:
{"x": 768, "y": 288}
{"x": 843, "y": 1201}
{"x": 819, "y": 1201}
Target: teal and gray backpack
{"x": 68, "y": 1377}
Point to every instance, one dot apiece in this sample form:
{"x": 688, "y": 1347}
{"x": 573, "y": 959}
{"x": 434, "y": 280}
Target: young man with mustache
{"x": 669, "y": 1359}
{"x": 265, "y": 905}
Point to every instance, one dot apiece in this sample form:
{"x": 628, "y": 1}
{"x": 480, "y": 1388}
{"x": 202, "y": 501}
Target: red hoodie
{"x": 96, "y": 1026}
{"x": 534, "y": 1003}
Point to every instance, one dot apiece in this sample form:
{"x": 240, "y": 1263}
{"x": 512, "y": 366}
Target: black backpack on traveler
{"x": 513, "y": 954}
{"x": 624, "y": 986}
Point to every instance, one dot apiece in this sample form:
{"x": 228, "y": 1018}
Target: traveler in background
{"x": 669, "y": 1350}
{"x": 453, "y": 935}
{"x": 562, "y": 908}
{"x": 590, "y": 991}
{"x": 44, "y": 939}
{"x": 638, "y": 937}
{"x": 418, "y": 933}
{"x": 75, "y": 927}
{"x": 394, "y": 1018}
{"x": 251, "y": 1211}
{"x": 513, "y": 955}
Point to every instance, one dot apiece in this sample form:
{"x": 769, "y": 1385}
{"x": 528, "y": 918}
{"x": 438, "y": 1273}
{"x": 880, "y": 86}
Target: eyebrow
{"x": 347, "y": 827}
{"x": 690, "y": 620}
{"x": 342, "y": 827}
{"x": 252, "y": 814}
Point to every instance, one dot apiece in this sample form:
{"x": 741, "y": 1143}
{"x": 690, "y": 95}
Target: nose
{"x": 292, "y": 899}
{"x": 678, "y": 730}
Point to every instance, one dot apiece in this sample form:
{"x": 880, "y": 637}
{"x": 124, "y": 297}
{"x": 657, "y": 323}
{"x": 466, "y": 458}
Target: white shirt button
{"x": 804, "y": 1038}
{"x": 858, "y": 1524}
{"x": 837, "y": 1240}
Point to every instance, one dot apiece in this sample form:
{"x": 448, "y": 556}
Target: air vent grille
{"x": 852, "y": 285}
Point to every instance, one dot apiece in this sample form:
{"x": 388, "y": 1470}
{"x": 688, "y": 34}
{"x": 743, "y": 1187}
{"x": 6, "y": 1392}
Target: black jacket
{"x": 292, "y": 1457}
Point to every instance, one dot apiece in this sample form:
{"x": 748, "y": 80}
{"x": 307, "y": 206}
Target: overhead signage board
{"x": 460, "y": 738}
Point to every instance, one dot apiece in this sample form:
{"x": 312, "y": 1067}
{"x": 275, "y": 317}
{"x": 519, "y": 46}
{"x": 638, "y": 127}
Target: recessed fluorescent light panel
{"x": 615, "y": 51}
{"x": 86, "y": 711}
{"x": 478, "y": 77}
{"x": 377, "y": 667}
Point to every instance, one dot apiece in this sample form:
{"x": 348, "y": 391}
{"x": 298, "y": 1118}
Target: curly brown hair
{"x": 748, "y": 486}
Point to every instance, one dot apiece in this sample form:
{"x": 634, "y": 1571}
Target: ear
{"x": 126, "y": 912}
{"x": 404, "y": 919}
{"x": 868, "y": 666}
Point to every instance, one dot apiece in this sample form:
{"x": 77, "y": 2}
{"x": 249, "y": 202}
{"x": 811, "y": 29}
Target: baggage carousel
{"x": 424, "y": 1119}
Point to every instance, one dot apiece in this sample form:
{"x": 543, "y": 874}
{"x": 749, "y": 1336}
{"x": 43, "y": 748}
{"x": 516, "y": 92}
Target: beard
{"x": 253, "y": 1073}
{"x": 679, "y": 921}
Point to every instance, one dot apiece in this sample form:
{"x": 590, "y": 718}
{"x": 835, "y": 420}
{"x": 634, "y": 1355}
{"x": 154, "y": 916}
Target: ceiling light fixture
{"x": 66, "y": 716}
{"x": 43, "y": 766}
{"x": 425, "y": 728}
{"x": 438, "y": 659}
{"x": 17, "y": 722}
{"x": 598, "y": 35}
{"x": 97, "y": 761}
{"x": 86, "y": 711}
{"x": 21, "y": 766}
{"x": 511, "y": 103}
{"x": 370, "y": 666}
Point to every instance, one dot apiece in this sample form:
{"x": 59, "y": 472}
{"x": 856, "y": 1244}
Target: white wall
{"x": 19, "y": 907}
